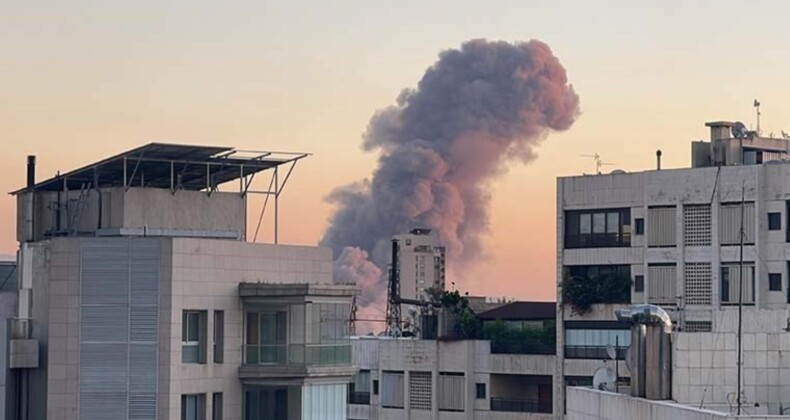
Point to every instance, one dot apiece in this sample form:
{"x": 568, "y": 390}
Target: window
{"x": 420, "y": 390}
{"x": 661, "y": 284}
{"x": 216, "y": 406}
{"x": 698, "y": 326}
{"x": 193, "y": 337}
{"x": 775, "y": 282}
{"x": 591, "y": 343}
{"x": 696, "y": 225}
{"x": 661, "y": 226}
{"x": 219, "y": 336}
{"x": 730, "y": 223}
{"x": 639, "y": 283}
{"x": 698, "y": 283}
{"x": 359, "y": 388}
{"x": 611, "y": 283}
{"x": 392, "y": 392}
{"x": 266, "y": 338}
{"x": 375, "y": 387}
{"x": 193, "y": 407}
{"x": 480, "y": 391}
{"x": 639, "y": 227}
{"x": 451, "y": 391}
{"x": 730, "y": 286}
{"x": 774, "y": 221}
{"x": 597, "y": 228}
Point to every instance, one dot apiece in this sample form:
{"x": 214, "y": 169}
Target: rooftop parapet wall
{"x": 587, "y": 403}
{"x": 117, "y": 210}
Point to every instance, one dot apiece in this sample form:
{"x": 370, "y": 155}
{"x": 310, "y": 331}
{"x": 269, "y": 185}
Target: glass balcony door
{"x": 266, "y": 404}
{"x": 266, "y": 338}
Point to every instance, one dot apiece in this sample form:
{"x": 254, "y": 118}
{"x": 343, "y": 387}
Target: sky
{"x": 82, "y": 80}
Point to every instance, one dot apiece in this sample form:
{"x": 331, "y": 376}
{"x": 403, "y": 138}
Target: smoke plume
{"x": 476, "y": 109}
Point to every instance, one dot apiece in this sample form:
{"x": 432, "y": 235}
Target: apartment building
{"x": 506, "y": 377}
{"x": 140, "y": 298}
{"x": 421, "y": 263}
{"x": 676, "y": 238}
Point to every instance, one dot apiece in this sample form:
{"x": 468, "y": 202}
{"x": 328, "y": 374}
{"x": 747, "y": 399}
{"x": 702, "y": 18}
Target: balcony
{"x": 295, "y": 331}
{"x": 359, "y": 398}
{"x": 522, "y": 405}
{"x": 298, "y": 354}
{"x": 593, "y": 352}
{"x": 521, "y": 347}
{"x": 598, "y": 240}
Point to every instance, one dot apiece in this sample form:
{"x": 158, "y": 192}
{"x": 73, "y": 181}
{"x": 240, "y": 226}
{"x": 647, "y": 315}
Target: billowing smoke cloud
{"x": 475, "y": 109}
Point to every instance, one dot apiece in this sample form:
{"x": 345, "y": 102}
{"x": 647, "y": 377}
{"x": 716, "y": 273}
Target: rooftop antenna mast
{"x": 598, "y": 162}
{"x": 757, "y": 107}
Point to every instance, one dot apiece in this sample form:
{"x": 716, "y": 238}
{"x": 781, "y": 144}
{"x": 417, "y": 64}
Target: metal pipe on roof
{"x": 31, "y": 183}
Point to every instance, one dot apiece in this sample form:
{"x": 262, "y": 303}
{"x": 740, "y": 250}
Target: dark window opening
{"x": 774, "y": 221}
{"x": 639, "y": 283}
{"x": 480, "y": 391}
{"x": 775, "y": 282}
{"x": 639, "y": 227}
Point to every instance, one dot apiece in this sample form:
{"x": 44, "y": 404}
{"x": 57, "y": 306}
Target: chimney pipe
{"x": 28, "y": 207}
{"x": 31, "y": 171}
{"x": 658, "y": 159}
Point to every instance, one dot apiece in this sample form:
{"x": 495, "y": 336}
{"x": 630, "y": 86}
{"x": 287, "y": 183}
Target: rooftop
{"x": 173, "y": 166}
{"x": 519, "y": 311}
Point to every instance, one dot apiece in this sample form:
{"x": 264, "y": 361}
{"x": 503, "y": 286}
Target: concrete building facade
{"x": 144, "y": 301}
{"x": 673, "y": 238}
{"x": 501, "y": 378}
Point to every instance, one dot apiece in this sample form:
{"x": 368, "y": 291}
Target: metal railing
{"x": 361, "y": 398}
{"x": 298, "y": 354}
{"x": 521, "y": 347}
{"x": 521, "y": 405}
{"x": 592, "y": 352}
{"x": 598, "y": 240}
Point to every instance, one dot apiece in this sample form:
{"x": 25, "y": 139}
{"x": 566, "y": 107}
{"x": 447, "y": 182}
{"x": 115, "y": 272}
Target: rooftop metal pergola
{"x": 180, "y": 167}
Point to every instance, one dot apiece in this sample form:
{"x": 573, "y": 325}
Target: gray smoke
{"x": 441, "y": 144}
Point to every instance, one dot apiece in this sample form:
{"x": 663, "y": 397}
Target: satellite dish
{"x": 739, "y": 130}
{"x": 617, "y": 172}
{"x": 611, "y": 352}
{"x": 604, "y": 379}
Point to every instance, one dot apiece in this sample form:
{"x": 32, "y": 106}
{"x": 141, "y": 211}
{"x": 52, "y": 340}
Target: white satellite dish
{"x": 611, "y": 352}
{"x": 739, "y": 130}
{"x": 604, "y": 379}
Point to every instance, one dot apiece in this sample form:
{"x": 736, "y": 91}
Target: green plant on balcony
{"x": 582, "y": 292}
{"x": 466, "y": 325}
{"x": 526, "y": 340}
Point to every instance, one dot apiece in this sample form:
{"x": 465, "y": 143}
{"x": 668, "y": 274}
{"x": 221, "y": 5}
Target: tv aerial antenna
{"x": 598, "y": 162}
{"x": 757, "y": 107}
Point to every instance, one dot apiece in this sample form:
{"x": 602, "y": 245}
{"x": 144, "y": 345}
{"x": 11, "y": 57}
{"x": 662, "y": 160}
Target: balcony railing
{"x": 361, "y": 398}
{"x": 298, "y": 354}
{"x": 592, "y": 352}
{"x": 521, "y": 347}
{"x": 598, "y": 240}
{"x": 521, "y": 405}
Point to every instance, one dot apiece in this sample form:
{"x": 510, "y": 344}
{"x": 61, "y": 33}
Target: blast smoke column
{"x": 440, "y": 145}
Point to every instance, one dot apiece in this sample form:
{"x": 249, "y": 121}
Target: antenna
{"x": 598, "y": 162}
{"x": 757, "y": 107}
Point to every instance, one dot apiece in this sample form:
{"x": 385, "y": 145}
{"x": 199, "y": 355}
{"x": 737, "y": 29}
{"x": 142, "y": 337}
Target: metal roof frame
{"x": 180, "y": 167}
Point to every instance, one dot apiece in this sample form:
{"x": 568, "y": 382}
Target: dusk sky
{"x": 83, "y": 80}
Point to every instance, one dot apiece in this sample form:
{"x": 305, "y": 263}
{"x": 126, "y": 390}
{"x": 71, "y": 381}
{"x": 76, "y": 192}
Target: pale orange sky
{"x": 82, "y": 80}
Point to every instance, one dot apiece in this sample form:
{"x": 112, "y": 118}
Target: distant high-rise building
{"x": 421, "y": 263}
